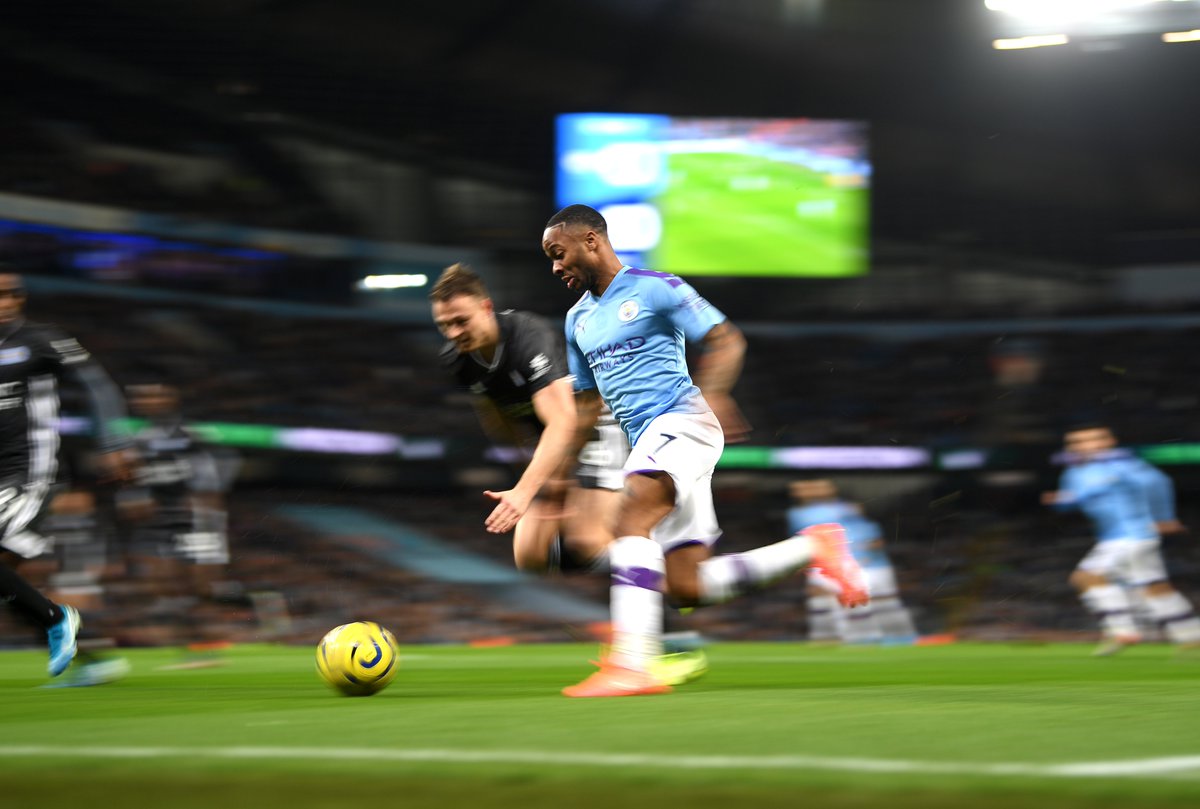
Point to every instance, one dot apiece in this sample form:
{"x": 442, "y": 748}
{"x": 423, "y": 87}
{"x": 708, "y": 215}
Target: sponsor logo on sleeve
{"x": 11, "y": 356}
{"x": 538, "y": 366}
{"x": 70, "y": 350}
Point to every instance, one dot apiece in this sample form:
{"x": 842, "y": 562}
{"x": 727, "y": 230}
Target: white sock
{"x": 861, "y": 626}
{"x": 1176, "y": 616}
{"x": 893, "y": 618}
{"x": 1143, "y": 617}
{"x": 636, "y": 601}
{"x": 724, "y": 577}
{"x": 1110, "y": 604}
{"x": 826, "y": 620}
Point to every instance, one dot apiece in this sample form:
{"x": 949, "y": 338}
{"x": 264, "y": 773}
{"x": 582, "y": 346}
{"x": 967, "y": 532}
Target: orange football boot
{"x": 831, "y": 556}
{"x": 617, "y": 681}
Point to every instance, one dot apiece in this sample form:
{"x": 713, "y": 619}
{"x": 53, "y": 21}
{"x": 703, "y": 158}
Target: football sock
{"x": 1110, "y": 604}
{"x": 862, "y": 626}
{"x": 26, "y": 599}
{"x": 636, "y": 601}
{"x": 826, "y": 619}
{"x": 1176, "y": 616}
{"x": 893, "y": 618}
{"x": 725, "y": 577}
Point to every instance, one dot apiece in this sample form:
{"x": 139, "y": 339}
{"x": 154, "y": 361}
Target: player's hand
{"x": 1171, "y": 527}
{"x": 1049, "y": 498}
{"x": 511, "y": 506}
{"x": 733, "y": 423}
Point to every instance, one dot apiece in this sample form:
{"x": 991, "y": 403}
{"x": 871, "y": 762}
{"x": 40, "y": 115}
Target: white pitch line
{"x": 1131, "y": 768}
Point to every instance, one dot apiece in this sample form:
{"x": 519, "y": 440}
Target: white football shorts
{"x": 686, "y": 446}
{"x": 1133, "y": 562}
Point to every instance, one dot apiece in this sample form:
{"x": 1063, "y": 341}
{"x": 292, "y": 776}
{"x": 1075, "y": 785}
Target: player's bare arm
{"x": 555, "y": 408}
{"x": 717, "y": 371}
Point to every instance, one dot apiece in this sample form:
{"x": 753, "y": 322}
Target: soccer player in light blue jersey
{"x": 885, "y": 619}
{"x": 1127, "y": 501}
{"x": 626, "y": 338}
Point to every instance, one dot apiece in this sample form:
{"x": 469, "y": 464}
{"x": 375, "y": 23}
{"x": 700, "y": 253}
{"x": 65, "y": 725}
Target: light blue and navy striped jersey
{"x": 629, "y": 345}
{"x": 1113, "y": 492}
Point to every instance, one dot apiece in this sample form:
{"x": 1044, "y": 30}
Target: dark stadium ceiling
{"x": 1096, "y": 139}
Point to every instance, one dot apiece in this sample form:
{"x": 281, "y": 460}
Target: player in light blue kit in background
{"x": 1129, "y": 503}
{"x": 625, "y": 346}
{"x": 885, "y": 619}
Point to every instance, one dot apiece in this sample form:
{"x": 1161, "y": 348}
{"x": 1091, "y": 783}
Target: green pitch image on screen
{"x": 723, "y": 196}
{"x": 735, "y": 214}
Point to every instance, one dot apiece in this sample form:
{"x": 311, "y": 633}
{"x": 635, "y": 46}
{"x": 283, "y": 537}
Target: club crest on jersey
{"x": 11, "y": 356}
{"x": 627, "y": 311}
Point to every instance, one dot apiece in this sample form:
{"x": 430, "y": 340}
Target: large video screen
{"x": 723, "y": 196}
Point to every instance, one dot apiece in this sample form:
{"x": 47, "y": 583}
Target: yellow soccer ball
{"x": 357, "y": 659}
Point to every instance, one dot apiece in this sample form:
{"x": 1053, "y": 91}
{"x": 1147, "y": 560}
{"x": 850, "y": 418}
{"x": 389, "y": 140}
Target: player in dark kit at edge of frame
{"x": 33, "y": 359}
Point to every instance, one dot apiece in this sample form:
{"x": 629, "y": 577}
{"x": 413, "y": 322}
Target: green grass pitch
{"x": 772, "y": 725}
{"x": 743, "y": 215}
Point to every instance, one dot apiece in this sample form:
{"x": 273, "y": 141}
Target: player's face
{"x": 12, "y": 298}
{"x": 572, "y": 254}
{"x": 467, "y": 321}
{"x": 1089, "y": 442}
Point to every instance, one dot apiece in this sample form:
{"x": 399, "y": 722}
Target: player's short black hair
{"x": 8, "y": 269}
{"x": 458, "y": 279}
{"x": 1081, "y": 425}
{"x": 582, "y": 215}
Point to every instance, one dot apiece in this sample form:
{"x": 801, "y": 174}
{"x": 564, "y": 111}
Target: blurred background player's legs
{"x": 862, "y": 626}
{"x": 82, "y": 550}
{"x": 892, "y": 619}
{"x": 826, "y": 617}
{"x": 1143, "y": 567}
{"x": 1143, "y": 617}
{"x": 1108, "y": 601}
{"x": 205, "y": 555}
{"x": 184, "y": 574}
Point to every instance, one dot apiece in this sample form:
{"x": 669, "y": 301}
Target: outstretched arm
{"x": 555, "y": 408}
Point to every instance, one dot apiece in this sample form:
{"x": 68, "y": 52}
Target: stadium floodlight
{"x": 1018, "y": 43}
{"x": 400, "y": 281}
{"x": 1182, "y": 36}
{"x": 1063, "y": 10}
